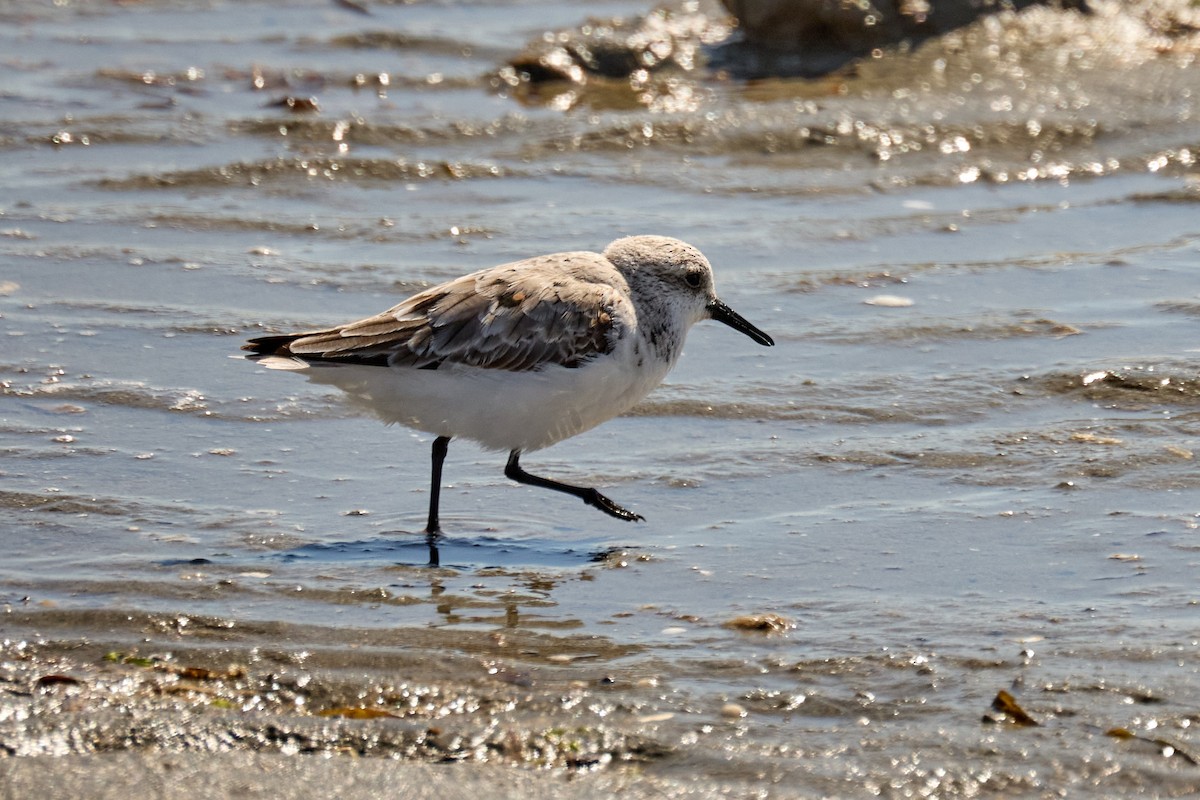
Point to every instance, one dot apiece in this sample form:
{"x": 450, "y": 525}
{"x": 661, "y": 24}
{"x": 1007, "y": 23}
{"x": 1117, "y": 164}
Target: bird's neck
{"x": 663, "y": 341}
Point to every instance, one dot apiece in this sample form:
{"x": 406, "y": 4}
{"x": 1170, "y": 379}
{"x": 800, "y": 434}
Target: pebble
{"x": 889, "y": 301}
{"x": 733, "y": 711}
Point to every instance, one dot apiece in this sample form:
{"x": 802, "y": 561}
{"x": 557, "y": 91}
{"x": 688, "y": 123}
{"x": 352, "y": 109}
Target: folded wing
{"x": 515, "y": 317}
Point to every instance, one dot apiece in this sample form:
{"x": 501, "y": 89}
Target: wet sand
{"x": 968, "y": 466}
{"x": 265, "y": 774}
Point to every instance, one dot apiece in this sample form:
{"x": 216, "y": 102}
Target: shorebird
{"x": 522, "y": 355}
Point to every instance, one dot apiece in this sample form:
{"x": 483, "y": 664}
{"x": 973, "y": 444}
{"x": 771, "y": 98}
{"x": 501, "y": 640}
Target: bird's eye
{"x": 693, "y": 279}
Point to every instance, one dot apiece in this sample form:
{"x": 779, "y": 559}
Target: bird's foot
{"x": 597, "y": 500}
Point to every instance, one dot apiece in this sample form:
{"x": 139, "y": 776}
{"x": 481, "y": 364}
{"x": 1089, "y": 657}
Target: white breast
{"x": 500, "y": 409}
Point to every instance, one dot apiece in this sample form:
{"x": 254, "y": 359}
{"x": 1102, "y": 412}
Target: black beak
{"x": 723, "y": 313}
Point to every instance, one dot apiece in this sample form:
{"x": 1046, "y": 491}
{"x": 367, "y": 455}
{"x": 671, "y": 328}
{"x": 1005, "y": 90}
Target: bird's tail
{"x": 278, "y": 344}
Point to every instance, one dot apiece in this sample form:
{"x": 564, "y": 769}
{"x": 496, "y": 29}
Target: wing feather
{"x": 562, "y": 309}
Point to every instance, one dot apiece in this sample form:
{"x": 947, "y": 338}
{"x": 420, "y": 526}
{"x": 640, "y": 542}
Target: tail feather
{"x": 264, "y": 348}
{"x": 274, "y": 345}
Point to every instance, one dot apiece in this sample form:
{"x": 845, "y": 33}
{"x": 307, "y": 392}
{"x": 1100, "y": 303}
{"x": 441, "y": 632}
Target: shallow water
{"x": 968, "y": 465}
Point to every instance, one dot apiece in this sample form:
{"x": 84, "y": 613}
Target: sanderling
{"x": 523, "y": 355}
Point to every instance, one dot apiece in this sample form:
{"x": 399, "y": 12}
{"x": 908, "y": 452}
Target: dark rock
{"x": 815, "y": 37}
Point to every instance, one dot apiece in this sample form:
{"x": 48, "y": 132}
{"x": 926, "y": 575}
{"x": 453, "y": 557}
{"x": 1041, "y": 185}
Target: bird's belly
{"x": 500, "y": 410}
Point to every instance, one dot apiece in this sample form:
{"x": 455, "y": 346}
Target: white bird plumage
{"x": 522, "y": 355}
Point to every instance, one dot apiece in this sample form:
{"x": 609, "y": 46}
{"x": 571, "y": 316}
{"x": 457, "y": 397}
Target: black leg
{"x": 589, "y": 496}
{"x": 435, "y": 558}
{"x": 440, "y": 445}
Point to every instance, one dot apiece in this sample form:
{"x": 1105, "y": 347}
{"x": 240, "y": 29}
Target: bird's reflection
{"x": 476, "y": 580}
{"x": 532, "y": 588}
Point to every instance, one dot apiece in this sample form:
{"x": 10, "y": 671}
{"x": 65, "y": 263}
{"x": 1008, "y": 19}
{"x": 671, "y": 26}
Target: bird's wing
{"x": 513, "y": 317}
